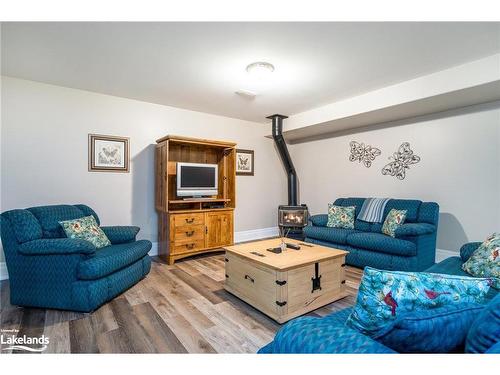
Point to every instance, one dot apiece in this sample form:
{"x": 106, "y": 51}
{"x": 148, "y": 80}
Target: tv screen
{"x": 197, "y": 177}
{"x": 197, "y": 180}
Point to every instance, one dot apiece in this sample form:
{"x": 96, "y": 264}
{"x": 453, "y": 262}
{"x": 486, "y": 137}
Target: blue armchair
{"x": 48, "y": 270}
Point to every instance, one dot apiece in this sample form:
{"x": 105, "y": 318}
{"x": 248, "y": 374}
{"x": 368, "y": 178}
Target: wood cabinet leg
{"x": 170, "y": 261}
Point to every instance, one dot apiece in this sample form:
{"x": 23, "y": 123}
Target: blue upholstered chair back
{"x": 23, "y": 225}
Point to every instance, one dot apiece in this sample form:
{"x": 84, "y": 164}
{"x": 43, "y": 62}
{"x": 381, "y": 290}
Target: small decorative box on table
{"x": 286, "y": 285}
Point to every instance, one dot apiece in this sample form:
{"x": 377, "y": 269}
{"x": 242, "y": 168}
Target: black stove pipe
{"x": 285, "y": 157}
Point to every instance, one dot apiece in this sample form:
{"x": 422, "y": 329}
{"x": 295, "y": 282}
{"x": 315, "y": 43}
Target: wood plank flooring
{"x": 181, "y": 308}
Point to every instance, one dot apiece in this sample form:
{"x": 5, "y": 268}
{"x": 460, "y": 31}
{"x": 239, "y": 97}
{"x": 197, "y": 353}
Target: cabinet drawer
{"x": 187, "y": 247}
{"x": 189, "y": 219}
{"x": 189, "y": 233}
{"x": 253, "y": 283}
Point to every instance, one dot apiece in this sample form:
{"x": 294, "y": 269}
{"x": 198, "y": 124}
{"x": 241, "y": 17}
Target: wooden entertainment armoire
{"x": 194, "y": 226}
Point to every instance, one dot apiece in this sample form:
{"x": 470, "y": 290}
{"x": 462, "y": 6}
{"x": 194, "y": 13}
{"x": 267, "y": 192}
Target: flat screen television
{"x": 197, "y": 180}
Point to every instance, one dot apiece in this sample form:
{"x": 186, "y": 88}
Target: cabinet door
{"x": 219, "y": 228}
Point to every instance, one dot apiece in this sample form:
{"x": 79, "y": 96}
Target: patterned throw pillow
{"x": 340, "y": 217}
{"x": 85, "y": 228}
{"x": 485, "y": 261}
{"x": 394, "y": 219}
{"x": 384, "y": 296}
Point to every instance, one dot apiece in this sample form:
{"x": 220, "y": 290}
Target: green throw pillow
{"x": 394, "y": 219}
{"x": 485, "y": 261}
{"x": 340, "y": 217}
{"x": 85, "y": 228}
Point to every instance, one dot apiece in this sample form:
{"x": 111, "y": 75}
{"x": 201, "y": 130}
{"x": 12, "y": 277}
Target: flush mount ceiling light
{"x": 260, "y": 68}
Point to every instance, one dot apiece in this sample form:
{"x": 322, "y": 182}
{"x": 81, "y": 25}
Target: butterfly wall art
{"x": 362, "y": 153}
{"x": 244, "y": 162}
{"x": 401, "y": 160}
{"x": 108, "y": 153}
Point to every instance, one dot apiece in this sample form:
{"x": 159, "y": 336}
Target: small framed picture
{"x": 244, "y": 162}
{"x": 108, "y": 153}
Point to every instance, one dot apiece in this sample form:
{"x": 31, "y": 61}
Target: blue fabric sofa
{"x": 413, "y": 248}
{"x": 330, "y": 334}
{"x": 48, "y": 270}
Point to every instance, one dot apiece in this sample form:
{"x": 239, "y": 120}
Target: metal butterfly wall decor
{"x": 363, "y": 153}
{"x": 401, "y": 161}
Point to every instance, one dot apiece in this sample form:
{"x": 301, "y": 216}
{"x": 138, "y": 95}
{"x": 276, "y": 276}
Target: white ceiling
{"x": 199, "y": 66}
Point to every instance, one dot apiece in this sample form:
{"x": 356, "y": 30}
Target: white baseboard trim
{"x": 4, "y": 275}
{"x": 255, "y": 234}
{"x": 443, "y": 254}
{"x": 242, "y": 236}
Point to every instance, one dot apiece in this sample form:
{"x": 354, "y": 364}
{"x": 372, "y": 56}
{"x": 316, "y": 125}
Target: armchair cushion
{"x": 121, "y": 234}
{"x": 335, "y": 235}
{"x": 87, "y": 229}
{"x": 485, "y": 331}
{"x": 25, "y": 225}
{"x": 57, "y": 246}
{"x": 468, "y": 249}
{"x": 439, "y": 330}
{"x": 381, "y": 243}
{"x": 407, "y": 230}
{"x": 50, "y": 216}
{"x": 112, "y": 258}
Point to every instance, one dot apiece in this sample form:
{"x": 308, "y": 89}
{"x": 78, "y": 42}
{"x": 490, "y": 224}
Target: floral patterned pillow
{"x": 85, "y": 228}
{"x": 340, "y": 217}
{"x": 394, "y": 219}
{"x": 385, "y": 295}
{"x": 485, "y": 261}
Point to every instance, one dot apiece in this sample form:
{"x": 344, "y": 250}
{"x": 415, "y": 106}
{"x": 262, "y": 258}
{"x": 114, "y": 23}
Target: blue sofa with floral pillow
{"x": 331, "y": 334}
{"x": 48, "y": 270}
{"x": 412, "y": 249}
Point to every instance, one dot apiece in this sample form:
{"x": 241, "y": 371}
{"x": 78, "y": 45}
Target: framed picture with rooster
{"x": 108, "y": 153}
{"x": 245, "y": 162}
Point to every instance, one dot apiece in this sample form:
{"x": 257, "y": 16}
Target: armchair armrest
{"x": 121, "y": 234}
{"x": 57, "y": 246}
{"x": 467, "y": 250}
{"x": 319, "y": 220}
{"x": 414, "y": 229}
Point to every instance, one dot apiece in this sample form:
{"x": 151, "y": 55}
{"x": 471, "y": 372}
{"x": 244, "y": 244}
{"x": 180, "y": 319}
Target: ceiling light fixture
{"x": 247, "y": 94}
{"x": 260, "y": 68}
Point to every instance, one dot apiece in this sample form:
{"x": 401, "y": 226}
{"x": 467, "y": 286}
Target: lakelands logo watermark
{"x": 10, "y": 338}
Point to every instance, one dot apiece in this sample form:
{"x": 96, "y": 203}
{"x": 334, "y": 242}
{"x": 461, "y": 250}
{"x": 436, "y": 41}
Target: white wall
{"x": 459, "y": 169}
{"x": 44, "y": 154}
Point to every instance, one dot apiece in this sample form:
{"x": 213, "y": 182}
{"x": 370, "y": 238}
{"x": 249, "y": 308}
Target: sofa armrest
{"x": 467, "y": 250}
{"x": 57, "y": 246}
{"x": 414, "y": 229}
{"x": 319, "y": 220}
{"x": 121, "y": 234}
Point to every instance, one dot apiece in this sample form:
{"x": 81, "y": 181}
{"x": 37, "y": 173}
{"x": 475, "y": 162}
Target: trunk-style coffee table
{"x": 285, "y": 285}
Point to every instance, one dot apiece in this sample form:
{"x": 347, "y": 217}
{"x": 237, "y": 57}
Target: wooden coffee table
{"x": 284, "y": 286}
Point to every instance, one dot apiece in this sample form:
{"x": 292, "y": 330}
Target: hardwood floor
{"x": 181, "y": 308}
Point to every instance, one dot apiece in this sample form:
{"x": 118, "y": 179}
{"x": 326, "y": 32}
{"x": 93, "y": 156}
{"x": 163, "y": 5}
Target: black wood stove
{"x": 293, "y": 217}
